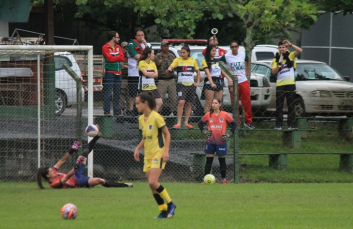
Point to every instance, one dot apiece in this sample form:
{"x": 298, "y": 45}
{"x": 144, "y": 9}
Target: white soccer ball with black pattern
{"x": 209, "y": 179}
{"x": 91, "y": 130}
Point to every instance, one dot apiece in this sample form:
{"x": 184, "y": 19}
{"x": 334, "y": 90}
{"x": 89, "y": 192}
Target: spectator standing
{"x": 166, "y": 81}
{"x": 186, "y": 87}
{"x": 148, "y": 74}
{"x": 283, "y": 66}
{"x": 113, "y": 55}
{"x": 219, "y": 53}
{"x": 239, "y": 63}
{"x": 213, "y": 71}
{"x": 134, "y": 51}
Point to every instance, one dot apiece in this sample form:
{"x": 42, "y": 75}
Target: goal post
{"x": 9, "y": 93}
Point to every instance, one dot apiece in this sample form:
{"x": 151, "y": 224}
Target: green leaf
{"x": 157, "y": 21}
{"x": 220, "y": 16}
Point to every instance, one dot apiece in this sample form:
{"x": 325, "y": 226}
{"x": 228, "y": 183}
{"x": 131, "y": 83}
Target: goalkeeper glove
{"x": 226, "y": 136}
{"x": 78, "y": 162}
{"x": 74, "y": 147}
{"x": 208, "y": 133}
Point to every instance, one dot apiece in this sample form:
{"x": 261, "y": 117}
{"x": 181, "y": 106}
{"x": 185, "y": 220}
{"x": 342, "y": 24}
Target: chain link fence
{"x": 42, "y": 113}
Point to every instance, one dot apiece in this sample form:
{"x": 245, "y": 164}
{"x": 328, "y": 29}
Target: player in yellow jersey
{"x": 148, "y": 72}
{"x": 155, "y": 141}
{"x": 186, "y": 87}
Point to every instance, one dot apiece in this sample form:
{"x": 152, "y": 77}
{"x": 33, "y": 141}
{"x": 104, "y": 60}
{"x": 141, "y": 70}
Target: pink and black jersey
{"x": 218, "y": 125}
{"x": 70, "y": 183}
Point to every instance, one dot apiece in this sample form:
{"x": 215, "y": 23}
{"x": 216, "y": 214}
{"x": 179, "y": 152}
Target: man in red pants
{"x": 240, "y": 63}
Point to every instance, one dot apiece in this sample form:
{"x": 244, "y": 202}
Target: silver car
{"x": 319, "y": 88}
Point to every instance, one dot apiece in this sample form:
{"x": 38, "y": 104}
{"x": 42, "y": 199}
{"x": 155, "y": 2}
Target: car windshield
{"x": 316, "y": 71}
{"x": 197, "y": 55}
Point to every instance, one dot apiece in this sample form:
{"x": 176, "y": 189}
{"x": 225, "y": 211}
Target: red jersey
{"x": 70, "y": 183}
{"x": 218, "y": 125}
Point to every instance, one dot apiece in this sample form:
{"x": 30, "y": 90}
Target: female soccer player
{"x": 148, "y": 72}
{"x": 186, "y": 88}
{"x": 213, "y": 87}
{"x": 155, "y": 141}
{"x": 217, "y": 120}
{"x": 75, "y": 177}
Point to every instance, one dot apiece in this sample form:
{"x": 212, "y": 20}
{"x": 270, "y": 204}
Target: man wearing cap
{"x": 166, "y": 81}
{"x": 113, "y": 55}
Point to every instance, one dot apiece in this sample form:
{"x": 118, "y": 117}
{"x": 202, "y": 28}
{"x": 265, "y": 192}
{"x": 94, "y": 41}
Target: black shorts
{"x": 186, "y": 93}
{"x": 132, "y": 83}
{"x": 155, "y": 93}
{"x": 218, "y": 88}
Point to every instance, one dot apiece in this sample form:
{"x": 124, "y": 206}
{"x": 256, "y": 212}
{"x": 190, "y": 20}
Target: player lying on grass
{"x": 75, "y": 177}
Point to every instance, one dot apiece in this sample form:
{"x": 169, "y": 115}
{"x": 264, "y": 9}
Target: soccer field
{"x": 23, "y": 205}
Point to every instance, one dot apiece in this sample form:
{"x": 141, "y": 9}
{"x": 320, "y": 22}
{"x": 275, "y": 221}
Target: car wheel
{"x": 60, "y": 102}
{"x": 299, "y": 108}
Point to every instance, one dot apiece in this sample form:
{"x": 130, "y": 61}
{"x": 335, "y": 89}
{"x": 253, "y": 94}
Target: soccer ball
{"x": 69, "y": 211}
{"x": 91, "y": 130}
{"x": 209, "y": 179}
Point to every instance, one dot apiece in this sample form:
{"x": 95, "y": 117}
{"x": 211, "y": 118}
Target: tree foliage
{"x": 344, "y": 6}
{"x": 274, "y": 18}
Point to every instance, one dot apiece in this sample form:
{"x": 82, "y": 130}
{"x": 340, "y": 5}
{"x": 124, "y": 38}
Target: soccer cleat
{"x": 162, "y": 215}
{"x": 224, "y": 182}
{"x": 250, "y": 126}
{"x": 292, "y": 128}
{"x": 278, "y": 128}
{"x": 129, "y": 184}
{"x": 171, "y": 209}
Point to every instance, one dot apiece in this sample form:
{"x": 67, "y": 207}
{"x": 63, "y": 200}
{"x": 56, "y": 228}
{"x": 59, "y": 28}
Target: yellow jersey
{"x": 154, "y": 141}
{"x": 146, "y": 83}
{"x": 185, "y": 69}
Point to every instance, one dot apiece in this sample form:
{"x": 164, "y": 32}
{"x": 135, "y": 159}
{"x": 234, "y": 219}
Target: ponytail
{"x": 42, "y": 172}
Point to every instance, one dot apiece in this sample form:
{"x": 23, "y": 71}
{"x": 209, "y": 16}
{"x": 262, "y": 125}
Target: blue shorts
{"x": 80, "y": 178}
{"x": 220, "y": 150}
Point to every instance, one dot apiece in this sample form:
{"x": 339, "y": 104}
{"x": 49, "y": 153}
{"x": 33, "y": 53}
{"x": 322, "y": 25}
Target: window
{"x": 264, "y": 70}
{"x": 264, "y": 55}
{"x": 60, "y": 60}
{"x": 316, "y": 71}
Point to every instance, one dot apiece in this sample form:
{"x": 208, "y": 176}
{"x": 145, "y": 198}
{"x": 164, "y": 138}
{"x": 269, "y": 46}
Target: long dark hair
{"x": 220, "y": 102}
{"x": 42, "y": 173}
{"x": 208, "y": 53}
{"x": 145, "y": 53}
{"x": 149, "y": 97}
{"x": 186, "y": 48}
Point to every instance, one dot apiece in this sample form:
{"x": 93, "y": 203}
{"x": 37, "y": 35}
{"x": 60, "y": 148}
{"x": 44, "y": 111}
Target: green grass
{"x": 23, "y": 205}
{"x": 301, "y": 168}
